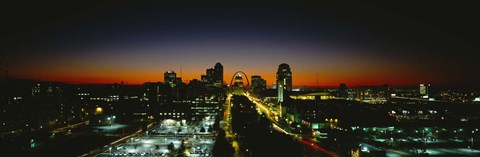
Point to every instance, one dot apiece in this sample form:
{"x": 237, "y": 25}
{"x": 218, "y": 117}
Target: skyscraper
{"x": 218, "y": 75}
{"x": 342, "y": 91}
{"x": 169, "y": 78}
{"x": 210, "y": 74}
{"x": 258, "y": 84}
{"x": 284, "y": 80}
{"x": 214, "y": 76}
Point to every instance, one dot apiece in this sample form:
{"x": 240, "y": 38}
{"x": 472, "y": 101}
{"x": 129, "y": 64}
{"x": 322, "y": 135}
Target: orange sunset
{"x": 216, "y": 78}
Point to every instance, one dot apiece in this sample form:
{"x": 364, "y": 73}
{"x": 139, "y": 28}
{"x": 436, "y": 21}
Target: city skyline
{"x": 360, "y": 44}
{"x": 239, "y": 78}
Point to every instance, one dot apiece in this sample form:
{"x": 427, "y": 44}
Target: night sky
{"x": 135, "y": 42}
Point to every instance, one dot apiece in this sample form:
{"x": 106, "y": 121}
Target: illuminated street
{"x": 207, "y": 78}
{"x": 227, "y": 126}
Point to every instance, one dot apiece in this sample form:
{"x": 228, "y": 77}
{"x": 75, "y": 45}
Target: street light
{"x": 249, "y": 153}
{"x": 109, "y": 120}
{"x": 110, "y": 149}
{"x": 472, "y": 139}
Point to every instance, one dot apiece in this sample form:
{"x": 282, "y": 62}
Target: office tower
{"x": 170, "y": 78}
{"x": 284, "y": 80}
{"x": 342, "y": 91}
{"x": 214, "y": 76}
{"x": 218, "y": 75}
{"x": 258, "y": 84}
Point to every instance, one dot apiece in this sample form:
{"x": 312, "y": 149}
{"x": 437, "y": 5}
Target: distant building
{"x": 218, "y": 75}
{"x": 258, "y": 84}
{"x": 214, "y": 76}
{"x": 177, "y": 87}
{"x": 372, "y": 94}
{"x": 204, "y": 78}
{"x": 342, "y": 91}
{"x": 155, "y": 92}
{"x": 210, "y": 73}
{"x": 424, "y": 90}
{"x": 284, "y": 80}
{"x": 169, "y": 78}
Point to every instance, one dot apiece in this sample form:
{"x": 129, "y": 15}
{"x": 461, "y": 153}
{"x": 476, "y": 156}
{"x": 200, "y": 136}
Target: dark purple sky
{"x": 356, "y": 43}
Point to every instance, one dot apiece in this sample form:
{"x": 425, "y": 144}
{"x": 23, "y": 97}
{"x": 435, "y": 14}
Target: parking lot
{"x": 198, "y": 141}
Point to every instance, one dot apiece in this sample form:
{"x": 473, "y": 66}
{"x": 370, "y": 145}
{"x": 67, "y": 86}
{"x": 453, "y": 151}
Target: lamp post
{"x": 110, "y": 149}
{"x": 109, "y": 121}
{"x": 472, "y": 140}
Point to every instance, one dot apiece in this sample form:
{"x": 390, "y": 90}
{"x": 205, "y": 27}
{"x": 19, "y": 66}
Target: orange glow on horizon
{"x": 327, "y": 77}
{"x": 306, "y": 80}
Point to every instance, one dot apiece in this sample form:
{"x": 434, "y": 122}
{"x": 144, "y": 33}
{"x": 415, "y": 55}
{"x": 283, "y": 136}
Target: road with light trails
{"x": 64, "y": 129}
{"x": 261, "y": 107}
{"x": 228, "y": 127}
{"x": 316, "y": 147}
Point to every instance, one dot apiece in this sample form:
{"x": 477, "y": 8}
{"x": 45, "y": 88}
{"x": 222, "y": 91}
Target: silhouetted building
{"x": 284, "y": 80}
{"x": 258, "y": 84}
{"x": 218, "y": 75}
{"x": 214, "y": 76}
{"x": 195, "y": 89}
{"x": 342, "y": 91}
{"x": 155, "y": 92}
{"x": 204, "y": 78}
{"x": 210, "y": 73}
{"x": 177, "y": 87}
{"x": 169, "y": 78}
